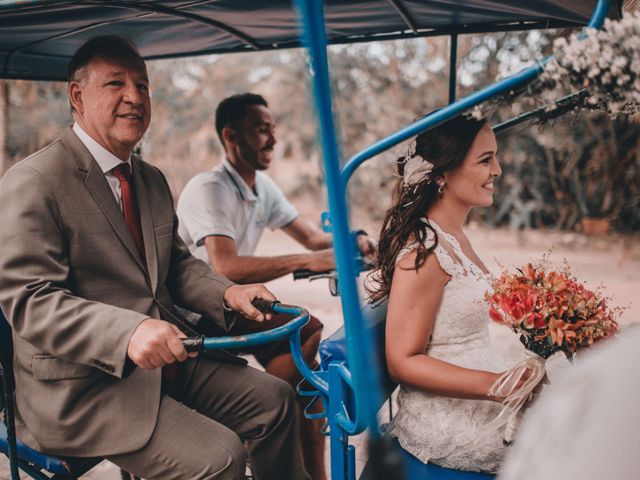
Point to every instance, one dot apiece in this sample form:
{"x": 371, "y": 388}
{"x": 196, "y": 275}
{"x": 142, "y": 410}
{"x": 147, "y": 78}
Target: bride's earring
{"x": 440, "y": 186}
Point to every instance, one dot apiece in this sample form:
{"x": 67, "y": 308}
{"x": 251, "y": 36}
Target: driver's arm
{"x": 224, "y": 258}
{"x": 308, "y": 234}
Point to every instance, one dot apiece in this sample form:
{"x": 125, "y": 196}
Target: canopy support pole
{"x": 364, "y": 359}
{"x": 453, "y": 67}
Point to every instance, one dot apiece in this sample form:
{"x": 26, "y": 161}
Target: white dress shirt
{"x": 106, "y": 160}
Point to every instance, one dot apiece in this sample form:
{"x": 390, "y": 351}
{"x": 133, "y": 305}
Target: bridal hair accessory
{"x": 552, "y": 312}
{"x": 416, "y": 170}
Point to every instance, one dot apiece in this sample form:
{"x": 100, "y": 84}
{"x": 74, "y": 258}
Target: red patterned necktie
{"x": 132, "y": 217}
{"x": 130, "y": 205}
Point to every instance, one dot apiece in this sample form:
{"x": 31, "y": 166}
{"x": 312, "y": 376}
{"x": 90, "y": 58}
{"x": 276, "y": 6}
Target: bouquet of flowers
{"x": 552, "y": 312}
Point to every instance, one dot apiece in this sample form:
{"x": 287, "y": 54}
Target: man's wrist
{"x": 225, "y": 305}
{"x": 302, "y": 261}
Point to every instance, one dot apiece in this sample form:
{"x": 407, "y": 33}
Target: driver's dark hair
{"x": 104, "y": 46}
{"x": 232, "y": 110}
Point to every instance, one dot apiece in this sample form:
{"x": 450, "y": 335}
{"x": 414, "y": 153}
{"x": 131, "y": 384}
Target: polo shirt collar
{"x": 105, "y": 159}
{"x": 245, "y": 192}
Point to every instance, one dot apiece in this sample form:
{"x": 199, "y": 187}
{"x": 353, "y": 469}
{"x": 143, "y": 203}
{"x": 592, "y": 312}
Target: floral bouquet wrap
{"x": 551, "y": 312}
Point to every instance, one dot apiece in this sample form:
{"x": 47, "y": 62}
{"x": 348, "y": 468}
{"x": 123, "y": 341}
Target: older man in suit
{"x": 90, "y": 268}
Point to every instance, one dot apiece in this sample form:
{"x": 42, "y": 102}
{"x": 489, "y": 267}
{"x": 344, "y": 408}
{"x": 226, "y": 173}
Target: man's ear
{"x": 75, "y": 96}
{"x": 230, "y": 136}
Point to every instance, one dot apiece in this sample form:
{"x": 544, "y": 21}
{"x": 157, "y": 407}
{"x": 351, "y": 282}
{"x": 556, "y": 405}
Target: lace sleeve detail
{"x": 406, "y": 250}
{"x": 446, "y": 261}
{"x": 410, "y": 247}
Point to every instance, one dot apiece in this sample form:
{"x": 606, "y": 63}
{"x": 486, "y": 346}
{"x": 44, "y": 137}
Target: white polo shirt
{"x": 219, "y": 202}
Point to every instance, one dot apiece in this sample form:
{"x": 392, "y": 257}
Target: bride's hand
{"x": 537, "y": 390}
{"x": 523, "y": 379}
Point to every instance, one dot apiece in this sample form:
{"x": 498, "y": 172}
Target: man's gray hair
{"x": 105, "y": 46}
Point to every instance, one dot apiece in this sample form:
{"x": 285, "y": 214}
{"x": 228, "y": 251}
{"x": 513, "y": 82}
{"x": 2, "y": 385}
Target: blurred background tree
{"x": 555, "y": 176}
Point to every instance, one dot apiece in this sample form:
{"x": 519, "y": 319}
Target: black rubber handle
{"x": 302, "y": 274}
{"x": 193, "y": 344}
{"x": 265, "y": 306}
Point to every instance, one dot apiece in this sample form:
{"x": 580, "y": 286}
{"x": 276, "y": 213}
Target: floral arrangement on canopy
{"x": 605, "y": 63}
{"x": 601, "y": 68}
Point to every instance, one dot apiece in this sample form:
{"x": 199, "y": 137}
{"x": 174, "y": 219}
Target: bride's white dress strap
{"x": 448, "y": 263}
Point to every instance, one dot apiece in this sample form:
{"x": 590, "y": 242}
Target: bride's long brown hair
{"x": 446, "y": 147}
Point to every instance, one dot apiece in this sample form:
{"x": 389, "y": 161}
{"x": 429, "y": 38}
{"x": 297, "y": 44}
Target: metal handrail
{"x": 562, "y": 104}
{"x": 291, "y": 330}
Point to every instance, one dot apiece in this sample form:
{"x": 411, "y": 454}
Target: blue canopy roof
{"x": 37, "y": 38}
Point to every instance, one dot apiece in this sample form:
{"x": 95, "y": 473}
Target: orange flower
{"x": 530, "y": 273}
{"x": 561, "y": 330}
{"x": 550, "y": 310}
{"x": 495, "y": 315}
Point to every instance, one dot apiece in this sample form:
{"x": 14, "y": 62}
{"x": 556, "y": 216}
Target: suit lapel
{"x": 148, "y": 234}
{"x": 99, "y": 188}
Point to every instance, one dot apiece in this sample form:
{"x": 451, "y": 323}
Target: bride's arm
{"x": 413, "y": 303}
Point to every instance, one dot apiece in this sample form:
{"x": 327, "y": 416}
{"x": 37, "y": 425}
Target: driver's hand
{"x": 156, "y": 343}
{"x": 321, "y": 260}
{"x": 368, "y": 247}
{"x": 239, "y": 298}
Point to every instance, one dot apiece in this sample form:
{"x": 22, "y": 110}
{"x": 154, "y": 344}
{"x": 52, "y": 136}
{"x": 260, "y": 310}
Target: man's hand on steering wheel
{"x": 239, "y": 298}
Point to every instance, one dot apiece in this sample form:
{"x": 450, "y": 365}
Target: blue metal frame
{"x": 291, "y": 330}
{"x": 360, "y": 359}
{"x": 363, "y": 376}
{"x": 453, "y": 66}
{"x": 563, "y": 105}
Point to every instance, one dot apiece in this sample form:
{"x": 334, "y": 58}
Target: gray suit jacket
{"x": 74, "y": 288}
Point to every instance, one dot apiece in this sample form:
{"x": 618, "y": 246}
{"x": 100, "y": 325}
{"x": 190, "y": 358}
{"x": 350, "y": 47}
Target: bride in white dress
{"x": 437, "y": 339}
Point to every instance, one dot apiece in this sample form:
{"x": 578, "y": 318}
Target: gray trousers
{"x": 207, "y": 414}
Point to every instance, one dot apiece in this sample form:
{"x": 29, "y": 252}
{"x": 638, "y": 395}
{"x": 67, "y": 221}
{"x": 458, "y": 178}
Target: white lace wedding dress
{"x": 444, "y": 430}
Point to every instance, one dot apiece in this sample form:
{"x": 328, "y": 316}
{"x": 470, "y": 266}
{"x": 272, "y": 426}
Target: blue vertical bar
{"x": 361, "y": 351}
{"x": 351, "y": 462}
{"x": 338, "y": 439}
